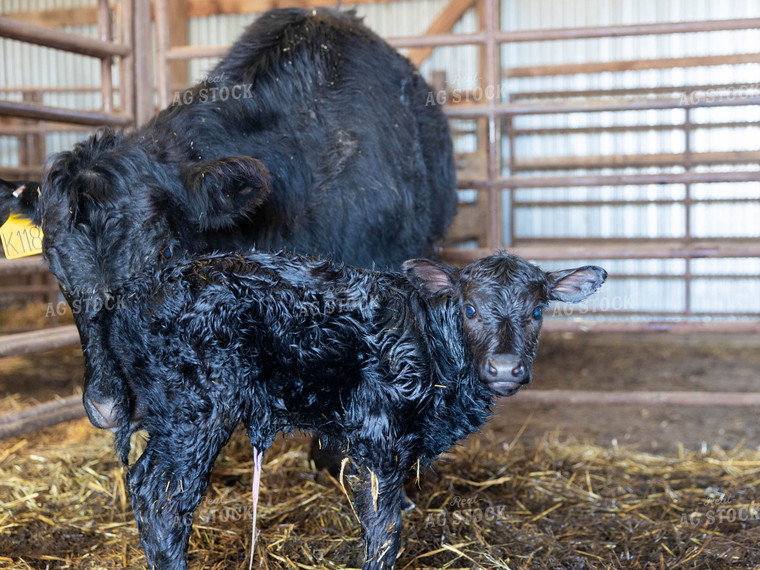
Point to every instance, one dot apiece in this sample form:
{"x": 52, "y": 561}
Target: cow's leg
{"x": 166, "y": 485}
{"x": 377, "y": 500}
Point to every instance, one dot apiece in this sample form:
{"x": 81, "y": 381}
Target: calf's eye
{"x": 537, "y": 313}
{"x": 166, "y": 253}
{"x": 470, "y": 311}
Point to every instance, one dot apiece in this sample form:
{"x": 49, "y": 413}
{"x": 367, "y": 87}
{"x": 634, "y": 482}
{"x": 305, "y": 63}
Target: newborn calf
{"x": 390, "y": 368}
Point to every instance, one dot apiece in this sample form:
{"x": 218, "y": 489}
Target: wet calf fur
{"x": 390, "y": 368}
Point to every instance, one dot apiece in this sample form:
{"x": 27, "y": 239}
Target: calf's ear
{"x": 225, "y": 190}
{"x": 429, "y": 278}
{"x": 19, "y": 198}
{"x": 574, "y": 285}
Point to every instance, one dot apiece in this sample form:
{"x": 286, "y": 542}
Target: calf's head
{"x": 114, "y": 206}
{"x": 502, "y": 299}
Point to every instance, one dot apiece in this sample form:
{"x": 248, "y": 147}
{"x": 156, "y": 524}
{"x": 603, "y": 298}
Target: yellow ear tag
{"x": 20, "y": 237}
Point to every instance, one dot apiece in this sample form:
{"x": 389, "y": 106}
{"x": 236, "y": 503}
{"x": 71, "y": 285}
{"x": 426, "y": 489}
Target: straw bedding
{"x": 555, "y": 504}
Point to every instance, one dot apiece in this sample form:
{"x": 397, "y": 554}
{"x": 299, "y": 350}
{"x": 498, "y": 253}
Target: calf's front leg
{"x": 167, "y": 483}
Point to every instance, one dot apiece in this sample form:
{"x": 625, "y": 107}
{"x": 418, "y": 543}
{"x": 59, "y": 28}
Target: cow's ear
{"x": 430, "y": 278}
{"x": 225, "y": 190}
{"x": 574, "y": 285}
{"x": 19, "y": 198}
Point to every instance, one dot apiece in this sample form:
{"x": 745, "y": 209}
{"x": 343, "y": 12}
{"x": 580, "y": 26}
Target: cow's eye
{"x": 538, "y": 313}
{"x": 470, "y": 311}
{"x": 167, "y": 252}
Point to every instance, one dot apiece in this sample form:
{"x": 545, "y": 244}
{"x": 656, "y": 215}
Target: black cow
{"x": 311, "y": 135}
{"x": 390, "y": 368}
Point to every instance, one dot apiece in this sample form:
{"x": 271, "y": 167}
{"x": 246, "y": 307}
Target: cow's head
{"x": 502, "y": 299}
{"x": 114, "y": 206}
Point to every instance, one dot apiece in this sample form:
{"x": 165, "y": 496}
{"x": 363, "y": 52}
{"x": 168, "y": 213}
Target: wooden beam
{"x": 630, "y": 65}
{"x": 59, "y": 39}
{"x": 64, "y": 115}
{"x": 443, "y": 24}
{"x": 143, "y": 63}
{"x": 58, "y": 17}
{"x": 178, "y": 36}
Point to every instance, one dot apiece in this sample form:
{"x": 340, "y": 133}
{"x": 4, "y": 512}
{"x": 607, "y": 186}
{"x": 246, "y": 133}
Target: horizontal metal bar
{"x": 618, "y": 203}
{"x": 44, "y": 408}
{"x": 716, "y": 326}
{"x": 559, "y": 34}
{"x": 625, "y": 161}
{"x": 24, "y": 290}
{"x": 26, "y": 89}
{"x": 712, "y": 88}
{"x": 622, "y": 179}
{"x": 649, "y": 315}
{"x": 635, "y": 398}
{"x": 62, "y": 114}
{"x": 437, "y": 40}
{"x": 23, "y": 265}
{"x": 473, "y": 111}
{"x": 19, "y": 172}
{"x": 28, "y": 420}
{"x": 38, "y": 341}
{"x": 683, "y": 276}
{"x": 548, "y": 131}
{"x": 620, "y": 66}
{"x": 628, "y": 30}
{"x": 616, "y": 249}
{"x": 59, "y": 39}
{"x": 41, "y": 129}
{"x": 185, "y": 53}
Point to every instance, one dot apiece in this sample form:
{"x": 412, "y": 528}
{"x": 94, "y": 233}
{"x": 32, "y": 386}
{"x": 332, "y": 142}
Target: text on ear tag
{"x": 20, "y": 237}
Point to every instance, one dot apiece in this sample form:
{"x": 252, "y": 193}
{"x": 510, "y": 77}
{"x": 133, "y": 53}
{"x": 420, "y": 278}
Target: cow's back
{"x": 362, "y": 165}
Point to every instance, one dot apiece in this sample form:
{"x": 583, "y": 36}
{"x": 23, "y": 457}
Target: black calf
{"x": 390, "y": 368}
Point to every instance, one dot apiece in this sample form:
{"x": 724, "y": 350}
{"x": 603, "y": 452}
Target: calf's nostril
{"x": 492, "y": 370}
{"x": 518, "y": 371}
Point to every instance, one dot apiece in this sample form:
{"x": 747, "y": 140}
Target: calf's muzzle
{"x": 505, "y": 374}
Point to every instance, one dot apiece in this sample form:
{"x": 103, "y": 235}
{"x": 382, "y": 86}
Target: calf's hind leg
{"x": 167, "y": 483}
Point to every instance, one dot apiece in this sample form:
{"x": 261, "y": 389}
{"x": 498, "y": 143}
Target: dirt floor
{"x": 642, "y": 362}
